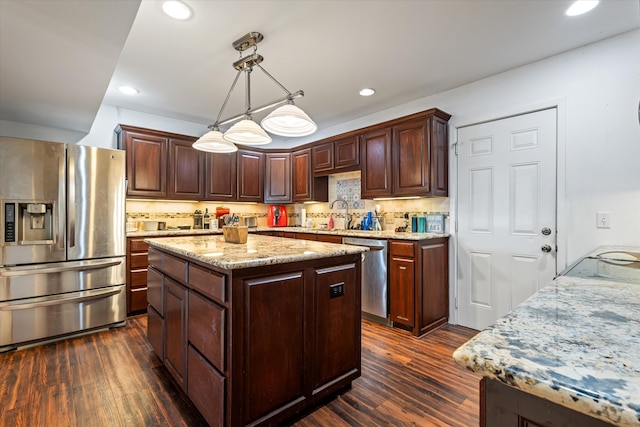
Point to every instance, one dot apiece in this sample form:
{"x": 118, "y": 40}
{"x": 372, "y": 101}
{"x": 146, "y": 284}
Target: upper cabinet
{"x": 336, "y": 155}
{"x": 186, "y": 170}
{"x": 277, "y": 188}
{"x": 221, "y": 177}
{"x": 305, "y": 187}
{"x": 161, "y": 165}
{"x": 146, "y": 161}
{"x": 250, "y": 176}
{"x": 409, "y": 157}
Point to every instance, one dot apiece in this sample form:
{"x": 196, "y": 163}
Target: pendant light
{"x": 288, "y": 120}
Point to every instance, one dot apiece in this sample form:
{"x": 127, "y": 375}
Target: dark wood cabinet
{"x": 186, "y": 170}
{"x": 376, "y": 164}
{"x": 250, "y": 176}
{"x": 206, "y": 388}
{"x": 336, "y": 155}
{"x": 221, "y": 182}
{"x": 277, "y": 188}
{"x": 305, "y": 186}
{"x": 175, "y": 343}
{"x": 402, "y": 282}
{"x": 336, "y": 295}
{"x": 162, "y": 165}
{"x": 146, "y": 161}
{"x": 419, "y": 284}
{"x": 407, "y": 157}
{"x": 137, "y": 261}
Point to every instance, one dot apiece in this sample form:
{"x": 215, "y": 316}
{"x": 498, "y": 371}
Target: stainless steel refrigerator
{"x": 62, "y": 240}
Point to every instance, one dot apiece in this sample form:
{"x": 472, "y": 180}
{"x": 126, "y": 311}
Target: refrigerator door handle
{"x": 61, "y": 299}
{"x": 71, "y": 199}
{"x": 83, "y": 266}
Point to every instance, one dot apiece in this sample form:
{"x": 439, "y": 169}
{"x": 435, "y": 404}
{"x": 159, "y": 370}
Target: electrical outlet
{"x": 603, "y": 220}
{"x": 336, "y": 290}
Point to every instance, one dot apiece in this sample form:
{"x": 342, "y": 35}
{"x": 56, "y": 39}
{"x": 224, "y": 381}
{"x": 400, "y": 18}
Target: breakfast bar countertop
{"x": 258, "y": 251}
{"x": 576, "y": 343}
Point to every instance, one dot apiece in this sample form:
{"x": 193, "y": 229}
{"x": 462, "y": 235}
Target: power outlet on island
{"x": 336, "y": 290}
{"x": 603, "y": 220}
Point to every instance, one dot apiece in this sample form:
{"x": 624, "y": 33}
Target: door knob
{"x": 546, "y": 248}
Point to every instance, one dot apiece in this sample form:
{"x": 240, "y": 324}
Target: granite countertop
{"x": 258, "y": 251}
{"x": 576, "y": 343}
{"x": 387, "y": 234}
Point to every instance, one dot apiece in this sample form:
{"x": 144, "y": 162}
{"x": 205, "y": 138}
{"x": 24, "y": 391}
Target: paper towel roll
{"x": 303, "y": 217}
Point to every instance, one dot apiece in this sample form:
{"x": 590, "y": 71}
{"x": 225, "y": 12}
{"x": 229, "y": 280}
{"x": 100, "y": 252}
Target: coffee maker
{"x": 277, "y": 216}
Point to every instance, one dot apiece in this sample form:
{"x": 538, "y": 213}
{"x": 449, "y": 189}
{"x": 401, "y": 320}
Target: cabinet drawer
{"x": 176, "y": 268}
{"x": 139, "y": 260}
{"x": 206, "y": 388}
{"x": 138, "y": 299}
{"x": 406, "y": 249}
{"x": 206, "y": 328}
{"x": 155, "y": 289}
{"x": 155, "y": 331}
{"x": 207, "y": 282}
{"x": 138, "y": 278}
{"x": 155, "y": 258}
{"x": 138, "y": 245}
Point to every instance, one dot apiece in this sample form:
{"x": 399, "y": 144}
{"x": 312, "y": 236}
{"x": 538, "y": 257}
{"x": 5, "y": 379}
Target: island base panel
{"x": 505, "y": 406}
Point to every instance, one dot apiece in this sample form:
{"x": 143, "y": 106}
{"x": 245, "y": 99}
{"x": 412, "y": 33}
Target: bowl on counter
{"x": 149, "y": 225}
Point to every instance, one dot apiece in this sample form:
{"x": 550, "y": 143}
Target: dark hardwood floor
{"x": 113, "y": 378}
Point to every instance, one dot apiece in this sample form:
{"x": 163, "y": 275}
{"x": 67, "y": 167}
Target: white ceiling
{"x": 57, "y": 58}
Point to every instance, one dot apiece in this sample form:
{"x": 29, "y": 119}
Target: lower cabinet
{"x": 419, "y": 284}
{"x": 137, "y": 262}
{"x": 256, "y": 346}
{"x": 175, "y": 321}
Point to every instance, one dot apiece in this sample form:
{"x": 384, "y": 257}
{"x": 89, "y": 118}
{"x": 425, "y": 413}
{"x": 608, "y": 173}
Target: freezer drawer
{"x": 30, "y": 319}
{"x": 30, "y": 281}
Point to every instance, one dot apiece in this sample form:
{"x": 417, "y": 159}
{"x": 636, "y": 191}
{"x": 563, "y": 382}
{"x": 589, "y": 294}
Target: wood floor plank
{"x": 113, "y": 378}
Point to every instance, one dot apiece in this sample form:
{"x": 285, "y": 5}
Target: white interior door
{"x": 506, "y": 214}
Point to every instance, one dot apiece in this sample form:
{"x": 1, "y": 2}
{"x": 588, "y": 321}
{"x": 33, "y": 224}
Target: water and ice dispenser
{"x": 28, "y": 222}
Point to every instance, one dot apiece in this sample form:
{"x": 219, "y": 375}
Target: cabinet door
{"x": 146, "y": 163}
{"x": 278, "y": 178}
{"x": 411, "y": 159}
{"x": 155, "y": 331}
{"x": 221, "y": 178}
{"x": 347, "y": 154}
{"x": 401, "y": 290}
{"x": 175, "y": 318}
{"x": 186, "y": 170}
{"x": 433, "y": 302}
{"x": 337, "y": 308}
{"x": 273, "y": 318}
{"x": 302, "y": 175}
{"x": 322, "y": 158}
{"x": 439, "y": 157}
{"x": 250, "y": 176}
{"x": 206, "y": 388}
{"x": 376, "y": 164}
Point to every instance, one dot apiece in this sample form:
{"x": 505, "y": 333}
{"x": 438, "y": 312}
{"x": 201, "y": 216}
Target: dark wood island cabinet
{"x": 255, "y": 340}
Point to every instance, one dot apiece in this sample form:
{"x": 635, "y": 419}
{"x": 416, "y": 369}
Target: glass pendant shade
{"x": 213, "y": 142}
{"x": 247, "y": 132}
{"x": 289, "y": 120}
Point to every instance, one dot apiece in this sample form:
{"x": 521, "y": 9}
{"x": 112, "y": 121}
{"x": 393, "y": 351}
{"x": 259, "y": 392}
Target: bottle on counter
{"x": 206, "y": 219}
{"x": 331, "y": 222}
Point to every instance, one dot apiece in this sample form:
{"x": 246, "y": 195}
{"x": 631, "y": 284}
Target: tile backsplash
{"x": 345, "y": 186}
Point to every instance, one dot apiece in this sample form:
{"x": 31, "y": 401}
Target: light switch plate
{"x": 603, "y": 220}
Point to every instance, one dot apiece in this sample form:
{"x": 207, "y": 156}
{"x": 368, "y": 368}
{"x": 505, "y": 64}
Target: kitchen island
{"x": 255, "y": 333}
{"x": 567, "y": 356}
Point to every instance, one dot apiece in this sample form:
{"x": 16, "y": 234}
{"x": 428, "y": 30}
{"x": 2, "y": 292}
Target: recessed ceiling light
{"x": 128, "y": 90}
{"x": 176, "y": 9}
{"x": 367, "y": 91}
{"x": 581, "y": 6}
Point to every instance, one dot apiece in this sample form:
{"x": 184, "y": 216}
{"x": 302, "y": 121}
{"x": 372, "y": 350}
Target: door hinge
{"x": 456, "y": 301}
{"x": 456, "y": 225}
{"x": 455, "y": 148}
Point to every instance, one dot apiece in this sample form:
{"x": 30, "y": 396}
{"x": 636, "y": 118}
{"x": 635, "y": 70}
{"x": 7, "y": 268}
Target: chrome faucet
{"x": 347, "y": 217}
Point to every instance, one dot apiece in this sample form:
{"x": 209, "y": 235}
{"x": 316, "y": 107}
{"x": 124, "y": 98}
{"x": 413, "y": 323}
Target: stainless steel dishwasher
{"x": 375, "y": 290}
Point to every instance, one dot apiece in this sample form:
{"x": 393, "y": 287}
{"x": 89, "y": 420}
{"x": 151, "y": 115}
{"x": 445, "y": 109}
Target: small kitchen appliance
{"x": 277, "y": 216}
